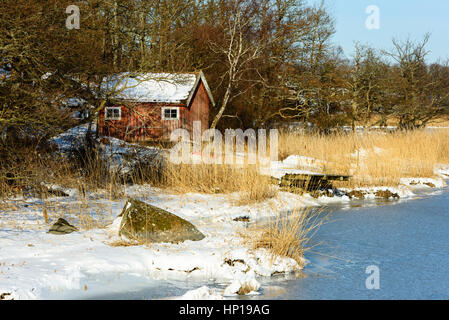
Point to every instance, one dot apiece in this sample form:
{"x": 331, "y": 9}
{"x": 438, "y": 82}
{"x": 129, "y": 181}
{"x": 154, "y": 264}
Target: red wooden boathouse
{"x": 150, "y": 106}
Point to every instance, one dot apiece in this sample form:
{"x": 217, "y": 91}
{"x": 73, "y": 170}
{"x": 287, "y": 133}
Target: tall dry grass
{"x": 216, "y": 178}
{"x": 373, "y": 159}
{"x": 32, "y": 174}
{"x": 29, "y": 171}
{"x": 287, "y": 234}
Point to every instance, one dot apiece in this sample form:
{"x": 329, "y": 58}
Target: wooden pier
{"x": 310, "y": 182}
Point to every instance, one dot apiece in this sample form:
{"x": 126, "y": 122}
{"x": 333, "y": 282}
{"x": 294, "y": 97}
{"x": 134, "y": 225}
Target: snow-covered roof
{"x": 154, "y": 87}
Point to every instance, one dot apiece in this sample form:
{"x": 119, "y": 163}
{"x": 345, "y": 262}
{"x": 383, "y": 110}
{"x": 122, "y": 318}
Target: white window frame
{"x": 170, "y": 108}
{"x": 113, "y": 108}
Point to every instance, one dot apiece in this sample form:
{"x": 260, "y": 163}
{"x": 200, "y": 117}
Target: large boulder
{"x": 147, "y": 223}
{"x": 62, "y": 227}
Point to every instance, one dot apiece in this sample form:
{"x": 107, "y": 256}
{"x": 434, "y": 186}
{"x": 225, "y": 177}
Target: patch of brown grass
{"x": 31, "y": 173}
{"x": 125, "y": 243}
{"x": 373, "y": 159}
{"x": 246, "y": 288}
{"x": 287, "y": 234}
{"x": 216, "y": 178}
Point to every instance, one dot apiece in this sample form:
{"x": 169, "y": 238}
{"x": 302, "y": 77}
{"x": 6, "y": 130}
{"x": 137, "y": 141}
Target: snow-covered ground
{"x": 119, "y": 155}
{"x": 33, "y": 262}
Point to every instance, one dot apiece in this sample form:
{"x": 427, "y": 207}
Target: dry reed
{"x": 373, "y": 159}
{"x": 216, "y": 178}
{"x": 287, "y": 234}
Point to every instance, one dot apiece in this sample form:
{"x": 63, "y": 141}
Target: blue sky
{"x": 398, "y": 18}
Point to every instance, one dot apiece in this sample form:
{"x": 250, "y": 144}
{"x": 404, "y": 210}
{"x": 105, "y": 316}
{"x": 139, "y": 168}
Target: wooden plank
{"x": 311, "y": 182}
{"x": 323, "y": 176}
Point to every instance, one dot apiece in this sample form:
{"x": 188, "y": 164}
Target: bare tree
{"x": 364, "y": 82}
{"x": 238, "y": 52}
{"x": 416, "y": 95}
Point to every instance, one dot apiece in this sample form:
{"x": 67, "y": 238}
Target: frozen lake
{"x": 407, "y": 240}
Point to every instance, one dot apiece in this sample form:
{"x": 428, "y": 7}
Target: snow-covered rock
{"x": 242, "y": 287}
{"x": 202, "y": 293}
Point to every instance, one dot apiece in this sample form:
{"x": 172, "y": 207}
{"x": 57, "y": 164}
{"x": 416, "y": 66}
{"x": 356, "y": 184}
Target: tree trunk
{"x": 223, "y": 106}
{"x": 115, "y": 36}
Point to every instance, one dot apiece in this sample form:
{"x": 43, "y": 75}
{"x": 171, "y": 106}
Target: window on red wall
{"x": 113, "y": 113}
{"x": 170, "y": 113}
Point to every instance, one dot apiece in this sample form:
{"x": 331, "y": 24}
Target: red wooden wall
{"x": 199, "y": 108}
{"x": 143, "y": 121}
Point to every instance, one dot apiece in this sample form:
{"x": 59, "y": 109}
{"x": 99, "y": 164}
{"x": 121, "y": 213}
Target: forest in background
{"x": 266, "y": 61}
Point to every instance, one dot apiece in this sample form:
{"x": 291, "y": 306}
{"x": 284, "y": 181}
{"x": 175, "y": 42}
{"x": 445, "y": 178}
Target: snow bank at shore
{"x": 33, "y": 261}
